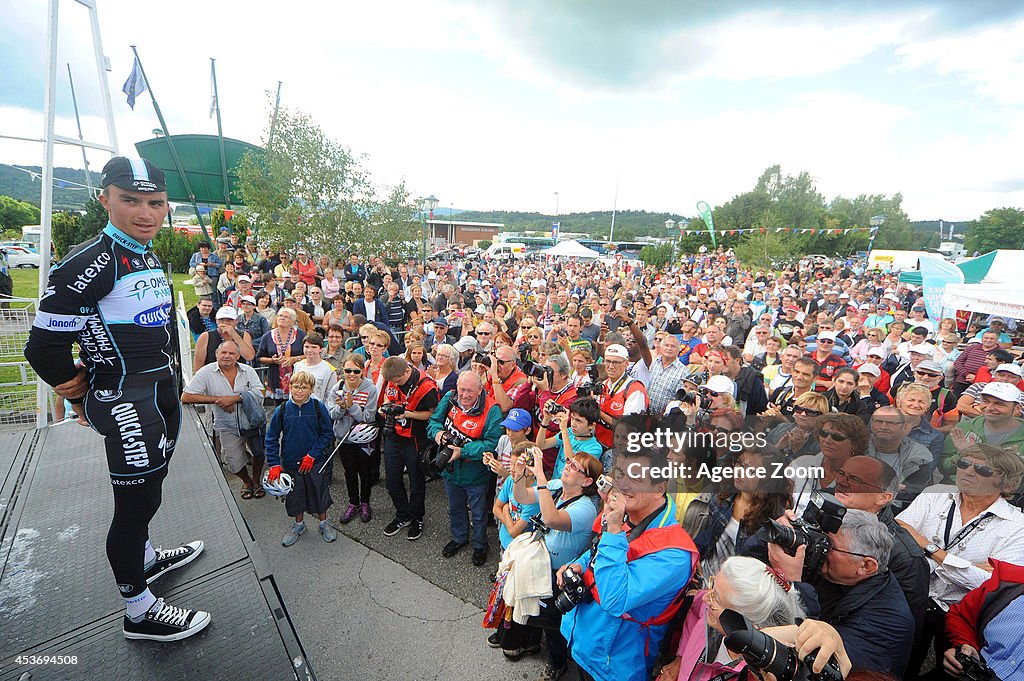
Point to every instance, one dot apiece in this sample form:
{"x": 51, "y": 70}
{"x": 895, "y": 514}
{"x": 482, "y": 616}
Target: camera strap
{"x": 965, "y": 531}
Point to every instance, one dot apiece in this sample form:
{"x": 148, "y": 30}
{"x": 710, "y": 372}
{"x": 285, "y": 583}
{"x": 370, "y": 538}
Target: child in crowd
{"x": 298, "y": 435}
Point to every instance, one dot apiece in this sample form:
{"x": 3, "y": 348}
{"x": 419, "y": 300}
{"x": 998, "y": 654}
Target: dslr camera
{"x": 552, "y": 407}
{"x": 482, "y": 358}
{"x": 524, "y": 350}
{"x": 573, "y": 592}
{"x": 444, "y": 450}
{"x": 534, "y": 370}
{"x": 975, "y": 669}
{"x": 764, "y": 653}
{"x": 391, "y": 412}
{"x": 595, "y": 388}
{"x": 700, "y": 398}
{"x": 823, "y": 515}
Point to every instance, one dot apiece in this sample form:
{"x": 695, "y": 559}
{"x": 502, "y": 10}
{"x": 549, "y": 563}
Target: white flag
{"x": 213, "y": 92}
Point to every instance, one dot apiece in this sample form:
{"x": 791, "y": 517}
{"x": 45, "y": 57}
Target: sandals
{"x": 247, "y": 493}
{"x": 258, "y": 493}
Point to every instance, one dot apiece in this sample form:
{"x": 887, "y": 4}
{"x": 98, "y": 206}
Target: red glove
{"x": 274, "y": 473}
{"x": 307, "y": 464}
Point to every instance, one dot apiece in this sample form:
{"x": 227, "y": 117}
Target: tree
{"x": 392, "y": 225}
{"x": 68, "y": 229}
{"x": 997, "y": 228}
{"x": 305, "y": 189}
{"x": 658, "y": 256}
{"x": 15, "y": 214}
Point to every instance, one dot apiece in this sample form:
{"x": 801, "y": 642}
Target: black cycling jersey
{"x": 111, "y": 296}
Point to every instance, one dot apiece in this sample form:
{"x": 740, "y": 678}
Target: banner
{"x": 935, "y": 274}
{"x": 555, "y": 226}
{"x": 705, "y": 213}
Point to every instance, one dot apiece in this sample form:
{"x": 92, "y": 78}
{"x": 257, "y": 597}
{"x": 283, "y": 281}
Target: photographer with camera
{"x": 410, "y": 398}
{"x": 984, "y": 628}
{"x": 575, "y": 431}
{"x": 506, "y": 382}
{"x": 620, "y": 394}
{"x": 853, "y": 589}
{"x": 466, "y": 424}
{"x": 629, "y": 585}
{"x": 555, "y": 392}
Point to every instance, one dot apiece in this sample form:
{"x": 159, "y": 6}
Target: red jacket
{"x": 963, "y": 618}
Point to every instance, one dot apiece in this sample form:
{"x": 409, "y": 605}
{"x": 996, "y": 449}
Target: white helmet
{"x": 280, "y": 487}
{"x": 362, "y": 434}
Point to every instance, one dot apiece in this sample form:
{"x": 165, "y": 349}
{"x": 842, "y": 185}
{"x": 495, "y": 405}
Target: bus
{"x": 536, "y": 243}
{"x": 594, "y": 245}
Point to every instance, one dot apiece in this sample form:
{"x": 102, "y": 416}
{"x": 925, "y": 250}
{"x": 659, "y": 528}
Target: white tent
{"x": 571, "y": 249}
{"x": 1005, "y": 301}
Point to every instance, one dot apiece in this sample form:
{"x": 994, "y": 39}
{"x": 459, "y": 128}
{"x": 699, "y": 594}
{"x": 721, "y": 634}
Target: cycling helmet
{"x": 280, "y": 487}
{"x": 362, "y": 434}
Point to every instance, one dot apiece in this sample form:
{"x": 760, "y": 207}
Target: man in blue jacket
{"x": 636, "y": 571}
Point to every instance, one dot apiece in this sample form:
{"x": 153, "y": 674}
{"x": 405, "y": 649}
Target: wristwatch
{"x": 931, "y": 548}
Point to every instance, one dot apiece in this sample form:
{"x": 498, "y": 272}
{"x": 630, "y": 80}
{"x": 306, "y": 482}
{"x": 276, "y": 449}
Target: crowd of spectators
{"x": 528, "y": 387}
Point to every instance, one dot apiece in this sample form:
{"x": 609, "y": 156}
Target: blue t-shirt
{"x": 515, "y": 509}
{"x": 565, "y": 545}
{"x": 589, "y": 446}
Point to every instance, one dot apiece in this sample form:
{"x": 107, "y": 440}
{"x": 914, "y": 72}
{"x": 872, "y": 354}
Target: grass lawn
{"x": 26, "y": 285}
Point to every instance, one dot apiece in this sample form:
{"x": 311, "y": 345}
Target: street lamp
{"x": 670, "y": 226}
{"x": 427, "y": 204}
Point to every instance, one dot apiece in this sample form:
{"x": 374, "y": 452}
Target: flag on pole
{"x": 213, "y": 91}
{"x": 705, "y": 213}
{"x": 135, "y": 85}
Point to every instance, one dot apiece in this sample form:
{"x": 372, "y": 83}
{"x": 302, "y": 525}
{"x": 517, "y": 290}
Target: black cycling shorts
{"x": 139, "y": 422}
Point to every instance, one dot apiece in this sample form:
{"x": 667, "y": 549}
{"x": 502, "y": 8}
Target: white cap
{"x": 827, "y": 335}
{"x": 922, "y": 349}
{"x": 248, "y": 299}
{"x": 1012, "y": 368}
{"x": 877, "y": 351}
{"x": 845, "y": 296}
{"x": 720, "y": 384}
{"x": 868, "y": 368}
{"x": 617, "y": 351}
{"x": 1006, "y": 392}
{"x": 464, "y": 344}
{"x": 431, "y": 275}
{"x": 227, "y": 312}
{"x": 480, "y": 309}
{"x": 702, "y": 290}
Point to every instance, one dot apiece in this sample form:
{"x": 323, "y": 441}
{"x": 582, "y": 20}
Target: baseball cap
{"x": 616, "y": 350}
{"x": 243, "y": 277}
{"x": 300, "y": 251}
{"x": 480, "y": 309}
{"x": 517, "y": 419}
{"x": 1012, "y": 368}
{"x": 827, "y": 335}
{"x": 248, "y": 299}
{"x": 870, "y": 369}
{"x": 877, "y": 351}
{"x": 441, "y": 321}
{"x": 227, "y": 312}
{"x": 845, "y": 296}
{"x": 133, "y": 174}
{"x": 922, "y": 349}
{"x": 1002, "y": 391}
{"x": 464, "y": 344}
{"x": 702, "y": 290}
{"x": 431, "y": 275}
{"x": 794, "y": 308}
{"x": 720, "y": 384}
{"x": 931, "y": 366}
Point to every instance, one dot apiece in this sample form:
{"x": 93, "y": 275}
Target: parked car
{"x": 19, "y": 256}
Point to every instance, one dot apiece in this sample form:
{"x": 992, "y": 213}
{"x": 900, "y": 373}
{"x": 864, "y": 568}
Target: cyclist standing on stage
{"x": 111, "y": 297}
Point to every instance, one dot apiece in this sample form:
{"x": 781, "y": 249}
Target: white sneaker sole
{"x": 197, "y": 626}
{"x": 189, "y": 559}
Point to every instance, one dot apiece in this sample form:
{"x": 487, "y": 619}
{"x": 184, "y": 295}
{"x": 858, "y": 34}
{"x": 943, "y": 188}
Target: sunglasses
{"x": 806, "y": 411}
{"x": 376, "y": 345}
{"x": 483, "y": 333}
{"x": 836, "y": 437}
{"x": 983, "y": 471}
{"x": 720, "y": 429}
{"x": 353, "y": 371}
{"x": 825, "y": 341}
{"x": 926, "y": 374}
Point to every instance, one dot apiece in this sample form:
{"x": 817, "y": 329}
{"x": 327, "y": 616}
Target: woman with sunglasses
{"x": 443, "y": 370}
{"x": 743, "y": 504}
{"x": 961, "y": 527}
{"x": 797, "y": 437}
{"x": 568, "y": 506}
{"x": 355, "y": 404}
{"x": 744, "y": 585}
{"x": 872, "y": 339}
{"x": 376, "y": 344}
{"x": 839, "y": 436}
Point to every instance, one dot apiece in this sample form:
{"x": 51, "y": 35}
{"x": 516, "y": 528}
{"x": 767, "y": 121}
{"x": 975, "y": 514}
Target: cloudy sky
{"x": 500, "y": 104}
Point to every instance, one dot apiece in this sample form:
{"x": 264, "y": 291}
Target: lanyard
{"x": 965, "y": 531}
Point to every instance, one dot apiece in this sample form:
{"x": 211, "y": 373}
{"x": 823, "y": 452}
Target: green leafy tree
{"x": 305, "y": 188}
{"x": 997, "y": 228}
{"x": 15, "y": 214}
{"x": 658, "y": 256}
{"x": 64, "y": 227}
{"x": 393, "y": 227}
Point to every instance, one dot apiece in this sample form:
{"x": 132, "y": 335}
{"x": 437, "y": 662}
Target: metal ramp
{"x": 57, "y": 594}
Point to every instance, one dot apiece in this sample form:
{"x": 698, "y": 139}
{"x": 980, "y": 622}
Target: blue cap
{"x": 517, "y": 419}
{"x": 442, "y": 321}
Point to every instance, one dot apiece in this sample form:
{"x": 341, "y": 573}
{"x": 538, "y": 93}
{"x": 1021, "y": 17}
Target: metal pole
{"x": 170, "y": 146}
{"x": 101, "y": 72}
{"x": 615, "y": 203}
{"x": 46, "y": 197}
{"x": 273, "y": 118}
{"x": 220, "y": 135}
{"x": 78, "y": 121}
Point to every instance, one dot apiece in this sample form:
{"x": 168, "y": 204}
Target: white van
{"x": 506, "y": 251}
